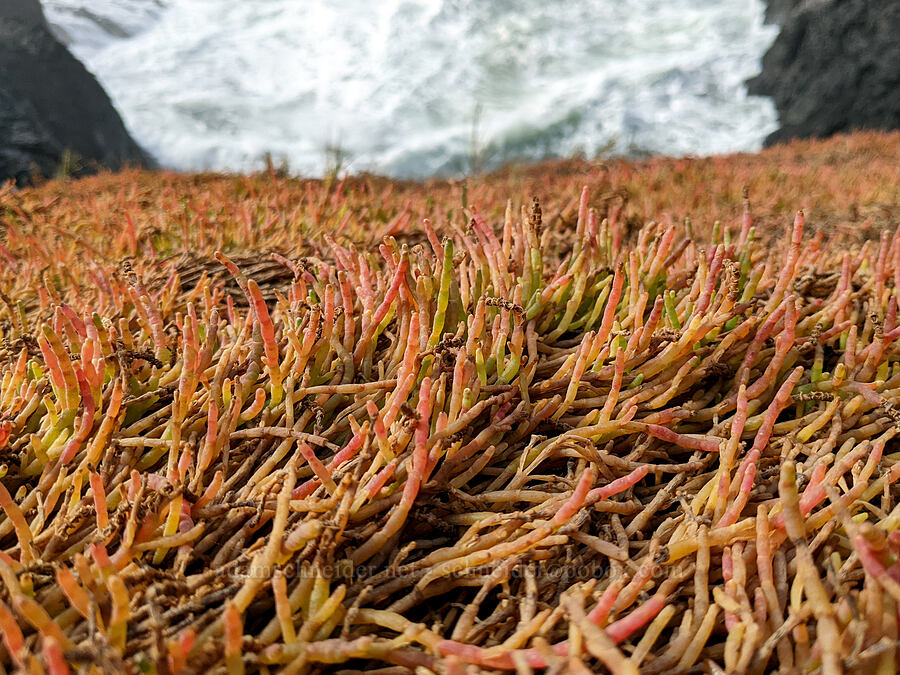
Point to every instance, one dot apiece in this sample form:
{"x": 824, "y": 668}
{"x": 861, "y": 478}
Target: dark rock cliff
{"x": 51, "y": 106}
{"x": 835, "y": 67}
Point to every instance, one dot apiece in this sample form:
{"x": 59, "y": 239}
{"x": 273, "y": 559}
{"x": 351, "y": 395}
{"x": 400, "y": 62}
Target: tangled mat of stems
{"x": 494, "y": 441}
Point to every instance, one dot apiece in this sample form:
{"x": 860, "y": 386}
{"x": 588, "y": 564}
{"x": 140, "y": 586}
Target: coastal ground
{"x": 581, "y": 414}
{"x": 849, "y": 185}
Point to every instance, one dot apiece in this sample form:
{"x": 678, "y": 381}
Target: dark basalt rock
{"x": 835, "y": 67}
{"x": 51, "y": 106}
{"x": 777, "y": 11}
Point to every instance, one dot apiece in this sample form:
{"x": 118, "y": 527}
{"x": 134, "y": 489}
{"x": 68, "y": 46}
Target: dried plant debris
{"x": 503, "y": 449}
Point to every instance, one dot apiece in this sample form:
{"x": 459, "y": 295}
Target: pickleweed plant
{"x": 263, "y": 423}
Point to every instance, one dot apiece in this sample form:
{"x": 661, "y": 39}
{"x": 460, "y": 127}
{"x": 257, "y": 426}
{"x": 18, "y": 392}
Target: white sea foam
{"x": 421, "y": 87}
{"x": 89, "y": 26}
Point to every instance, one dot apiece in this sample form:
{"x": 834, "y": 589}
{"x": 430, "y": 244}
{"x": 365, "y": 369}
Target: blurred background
{"x": 416, "y": 88}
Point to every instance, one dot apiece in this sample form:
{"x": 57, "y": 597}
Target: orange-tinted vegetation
{"x": 578, "y": 415}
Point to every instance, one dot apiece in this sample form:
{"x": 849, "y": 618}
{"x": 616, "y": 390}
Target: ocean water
{"x": 414, "y": 88}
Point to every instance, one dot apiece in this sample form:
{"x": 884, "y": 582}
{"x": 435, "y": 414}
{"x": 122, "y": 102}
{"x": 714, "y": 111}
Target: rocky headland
{"x": 835, "y": 67}
{"x": 53, "y": 112}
